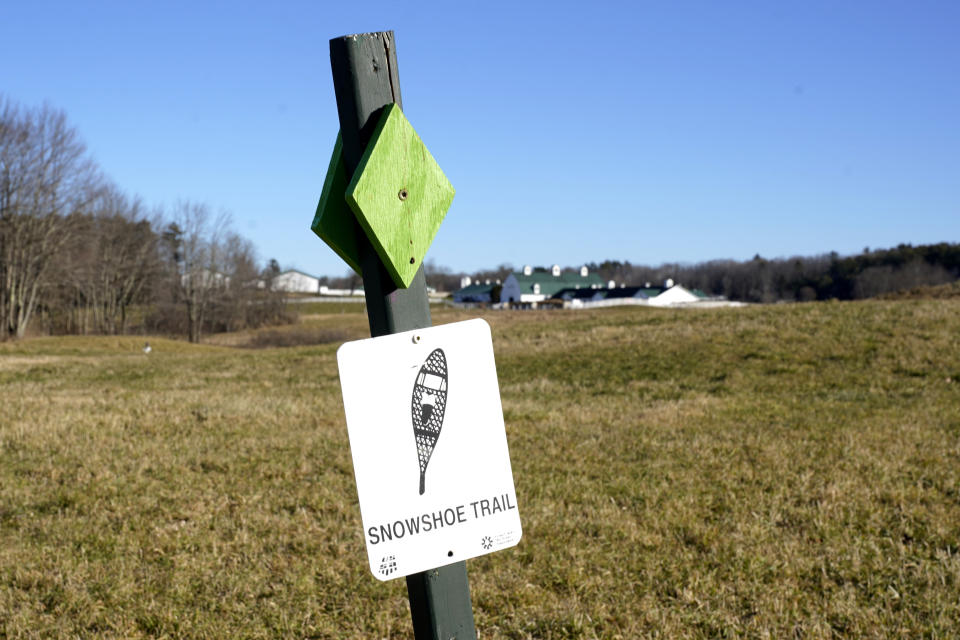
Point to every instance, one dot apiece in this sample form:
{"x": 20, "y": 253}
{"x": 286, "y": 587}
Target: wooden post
{"x": 365, "y": 79}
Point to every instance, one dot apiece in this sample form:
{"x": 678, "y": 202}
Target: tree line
{"x": 79, "y": 256}
{"x": 798, "y": 278}
{"x": 801, "y": 279}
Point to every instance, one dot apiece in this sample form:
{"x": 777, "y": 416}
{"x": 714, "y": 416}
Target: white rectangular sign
{"x": 429, "y": 447}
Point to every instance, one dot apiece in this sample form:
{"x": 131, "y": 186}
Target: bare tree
{"x": 45, "y": 178}
{"x": 237, "y": 304}
{"x": 197, "y": 258}
{"x": 114, "y": 258}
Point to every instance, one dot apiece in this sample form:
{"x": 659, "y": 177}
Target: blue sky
{"x": 572, "y": 131}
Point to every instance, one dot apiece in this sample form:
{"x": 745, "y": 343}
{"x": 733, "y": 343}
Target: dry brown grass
{"x": 934, "y": 292}
{"x": 768, "y": 472}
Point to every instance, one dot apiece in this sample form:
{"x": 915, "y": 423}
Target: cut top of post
{"x": 366, "y": 79}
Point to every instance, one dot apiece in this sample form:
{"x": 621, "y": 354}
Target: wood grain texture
{"x": 365, "y": 66}
{"x": 400, "y": 195}
{"x": 334, "y": 221}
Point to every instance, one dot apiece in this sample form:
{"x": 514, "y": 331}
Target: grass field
{"x": 788, "y": 471}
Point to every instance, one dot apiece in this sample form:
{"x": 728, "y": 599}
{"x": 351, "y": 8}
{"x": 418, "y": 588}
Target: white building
{"x": 674, "y": 295}
{"x": 532, "y": 286}
{"x": 204, "y": 279}
{"x": 293, "y": 281}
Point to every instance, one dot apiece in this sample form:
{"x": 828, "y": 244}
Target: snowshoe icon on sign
{"x": 427, "y": 406}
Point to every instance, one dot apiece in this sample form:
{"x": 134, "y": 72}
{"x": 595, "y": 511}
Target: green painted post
{"x": 365, "y": 80}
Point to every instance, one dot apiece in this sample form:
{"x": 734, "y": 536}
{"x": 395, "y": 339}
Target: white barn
{"x": 293, "y": 281}
{"x": 533, "y": 286}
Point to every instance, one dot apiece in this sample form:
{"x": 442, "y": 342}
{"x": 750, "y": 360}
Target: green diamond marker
{"x": 399, "y": 195}
{"x": 333, "y": 221}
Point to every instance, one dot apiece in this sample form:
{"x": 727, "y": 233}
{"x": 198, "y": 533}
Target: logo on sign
{"x": 487, "y": 542}
{"x": 388, "y": 565}
{"x": 427, "y": 406}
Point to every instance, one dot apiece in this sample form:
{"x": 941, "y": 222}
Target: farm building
{"x": 635, "y": 293}
{"x": 475, "y": 292}
{"x": 674, "y": 295}
{"x": 205, "y": 279}
{"x": 609, "y": 293}
{"x": 532, "y": 286}
{"x": 581, "y": 289}
{"x": 293, "y": 281}
{"x": 666, "y": 296}
{"x": 583, "y": 295}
